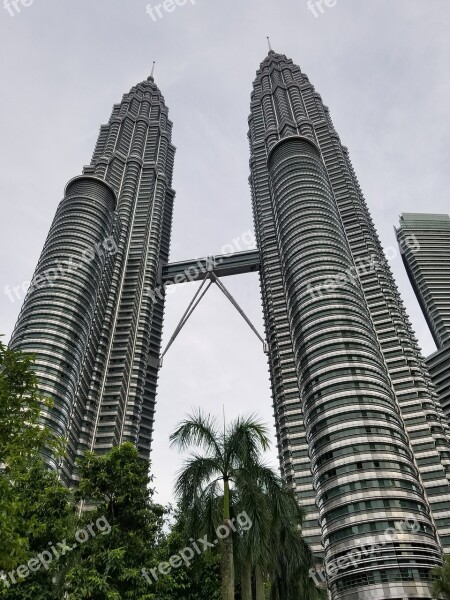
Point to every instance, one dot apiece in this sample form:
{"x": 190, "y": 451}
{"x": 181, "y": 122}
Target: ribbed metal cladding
{"x": 63, "y": 308}
{"x": 104, "y": 378}
{"x": 291, "y": 434}
{"x": 135, "y": 155}
{"x": 393, "y": 459}
{"x": 347, "y": 397}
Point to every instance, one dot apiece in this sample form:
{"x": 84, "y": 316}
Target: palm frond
{"x": 196, "y": 473}
{"x": 246, "y": 439}
{"x": 211, "y": 501}
{"x": 253, "y": 545}
{"x": 197, "y": 429}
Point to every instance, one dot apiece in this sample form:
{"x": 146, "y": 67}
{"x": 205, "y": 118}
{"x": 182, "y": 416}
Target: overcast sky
{"x": 382, "y": 66}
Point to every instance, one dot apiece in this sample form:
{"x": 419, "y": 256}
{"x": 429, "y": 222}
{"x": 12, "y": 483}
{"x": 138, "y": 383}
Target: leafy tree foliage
{"x": 21, "y": 440}
{"x": 37, "y": 512}
{"x": 47, "y": 517}
{"x": 199, "y": 580}
{"x": 108, "y": 566}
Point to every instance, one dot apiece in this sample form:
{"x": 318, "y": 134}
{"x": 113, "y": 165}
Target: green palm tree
{"x": 231, "y": 479}
{"x": 293, "y": 559}
{"x": 232, "y": 456}
{"x": 442, "y": 579}
{"x": 262, "y": 498}
{"x": 274, "y": 552}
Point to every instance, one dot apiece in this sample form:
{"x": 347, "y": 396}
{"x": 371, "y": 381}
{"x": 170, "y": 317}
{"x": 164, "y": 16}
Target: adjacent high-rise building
{"x": 361, "y": 437}
{"x": 425, "y": 243}
{"x": 88, "y": 315}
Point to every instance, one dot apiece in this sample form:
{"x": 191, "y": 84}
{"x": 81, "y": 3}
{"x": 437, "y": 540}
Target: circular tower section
{"x": 363, "y": 471}
{"x": 56, "y": 318}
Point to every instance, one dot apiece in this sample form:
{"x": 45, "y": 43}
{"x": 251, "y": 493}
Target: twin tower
{"x": 361, "y": 436}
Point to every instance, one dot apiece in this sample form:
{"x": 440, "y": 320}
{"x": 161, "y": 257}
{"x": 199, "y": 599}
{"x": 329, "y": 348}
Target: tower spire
{"x": 153, "y": 71}
{"x": 270, "y": 46}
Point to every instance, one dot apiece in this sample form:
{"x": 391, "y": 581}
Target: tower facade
{"x": 427, "y": 262}
{"x": 361, "y": 437}
{"x": 89, "y": 316}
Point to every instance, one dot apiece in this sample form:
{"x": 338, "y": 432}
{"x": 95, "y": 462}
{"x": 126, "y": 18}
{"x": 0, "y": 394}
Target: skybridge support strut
{"x": 211, "y": 278}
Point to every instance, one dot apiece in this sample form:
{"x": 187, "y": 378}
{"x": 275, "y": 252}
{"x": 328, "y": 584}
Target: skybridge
{"x": 209, "y": 270}
{"x": 223, "y": 265}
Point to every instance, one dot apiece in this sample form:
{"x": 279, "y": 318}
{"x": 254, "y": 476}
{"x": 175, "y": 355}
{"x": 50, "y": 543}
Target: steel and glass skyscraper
{"x": 361, "y": 437}
{"x": 427, "y": 263}
{"x": 88, "y": 316}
